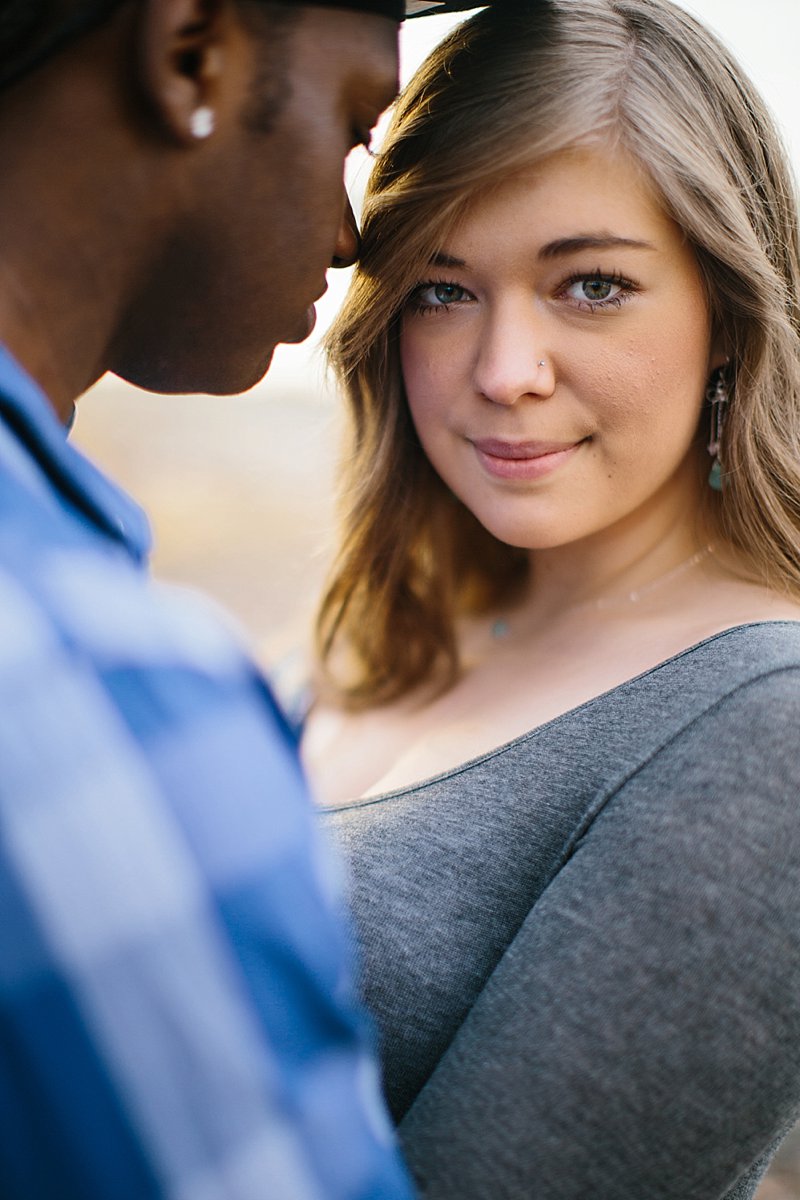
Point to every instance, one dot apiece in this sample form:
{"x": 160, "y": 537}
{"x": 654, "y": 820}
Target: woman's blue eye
{"x": 446, "y": 293}
{"x": 440, "y": 295}
{"x": 598, "y": 290}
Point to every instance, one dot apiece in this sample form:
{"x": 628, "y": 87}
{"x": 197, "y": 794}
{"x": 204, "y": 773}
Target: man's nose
{"x": 348, "y": 243}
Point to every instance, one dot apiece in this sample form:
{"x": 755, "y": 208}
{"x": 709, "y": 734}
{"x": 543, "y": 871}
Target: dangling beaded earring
{"x": 717, "y": 396}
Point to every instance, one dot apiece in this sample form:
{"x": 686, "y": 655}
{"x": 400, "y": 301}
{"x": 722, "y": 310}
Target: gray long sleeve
{"x": 641, "y": 1036}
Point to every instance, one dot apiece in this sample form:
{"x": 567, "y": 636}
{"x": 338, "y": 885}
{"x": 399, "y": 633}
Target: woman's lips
{"x": 522, "y": 460}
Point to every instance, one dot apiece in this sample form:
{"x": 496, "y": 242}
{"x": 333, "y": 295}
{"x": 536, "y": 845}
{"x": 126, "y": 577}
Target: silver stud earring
{"x": 540, "y": 362}
{"x": 717, "y": 397}
{"x": 201, "y": 122}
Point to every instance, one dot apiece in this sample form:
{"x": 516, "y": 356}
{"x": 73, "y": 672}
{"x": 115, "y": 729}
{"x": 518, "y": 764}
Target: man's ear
{"x": 181, "y": 56}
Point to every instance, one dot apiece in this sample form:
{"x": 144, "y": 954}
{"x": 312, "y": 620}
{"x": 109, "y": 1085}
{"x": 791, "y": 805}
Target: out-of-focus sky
{"x": 765, "y": 36}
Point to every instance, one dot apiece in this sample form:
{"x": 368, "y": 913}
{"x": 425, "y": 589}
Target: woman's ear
{"x": 182, "y": 57}
{"x": 719, "y": 352}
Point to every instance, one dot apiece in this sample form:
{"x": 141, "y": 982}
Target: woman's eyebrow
{"x": 590, "y": 241}
{"x": 446, "y": 260}
{"x": 561, "y": 247}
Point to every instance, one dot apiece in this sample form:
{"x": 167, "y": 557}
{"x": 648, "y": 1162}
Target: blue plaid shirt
{"x": 177, "y": 1016}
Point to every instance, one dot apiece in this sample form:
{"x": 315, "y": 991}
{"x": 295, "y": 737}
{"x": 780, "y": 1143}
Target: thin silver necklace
{"x": 501, "y": 628}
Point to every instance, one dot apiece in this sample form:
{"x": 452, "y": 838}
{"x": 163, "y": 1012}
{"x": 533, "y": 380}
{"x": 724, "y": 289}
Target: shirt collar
{"x": 29, "y": 415}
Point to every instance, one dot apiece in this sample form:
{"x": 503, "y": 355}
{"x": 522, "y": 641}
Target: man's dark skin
{"x": 130, "y": 244}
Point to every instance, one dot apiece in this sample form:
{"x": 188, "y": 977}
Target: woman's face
{"x": 556, "y": 355}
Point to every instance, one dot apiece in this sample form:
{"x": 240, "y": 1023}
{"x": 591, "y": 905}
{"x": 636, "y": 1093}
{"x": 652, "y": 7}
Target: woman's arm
{"x": 640, "y": 1039}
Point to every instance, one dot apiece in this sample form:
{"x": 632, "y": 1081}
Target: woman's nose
{"x": 513, "y": 361}
{"x": 348, "y": 243}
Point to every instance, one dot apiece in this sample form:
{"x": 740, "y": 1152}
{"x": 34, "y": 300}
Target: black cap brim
{"x": 398, "y": 10}
{"x": 434, "y": 8}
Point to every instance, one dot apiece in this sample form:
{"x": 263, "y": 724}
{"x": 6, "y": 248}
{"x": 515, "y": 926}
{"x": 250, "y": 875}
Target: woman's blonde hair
{"x": 504, "y": 91}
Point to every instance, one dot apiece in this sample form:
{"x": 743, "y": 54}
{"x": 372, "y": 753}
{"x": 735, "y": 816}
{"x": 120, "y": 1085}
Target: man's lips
{"x": 305, "y": 326}
{"x": 522, "y": 460}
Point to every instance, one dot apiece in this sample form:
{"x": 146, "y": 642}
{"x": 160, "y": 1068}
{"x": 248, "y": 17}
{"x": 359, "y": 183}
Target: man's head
{"x": 265, "y": 102}
{"x": 178, "y": 164}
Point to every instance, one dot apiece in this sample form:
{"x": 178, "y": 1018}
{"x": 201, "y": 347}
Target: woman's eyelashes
{"x": 598, "y": 290}
{"x": 591, "y": 291}
{"x": 437, "y": 295}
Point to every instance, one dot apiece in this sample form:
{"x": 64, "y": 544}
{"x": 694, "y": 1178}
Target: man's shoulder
{"x": 137, "y": 729}
{"x": 159, "y": 869}
{"x": 94, "y": 655}
{"x": 98, "y": 662}
{"x": 84, "y": 600}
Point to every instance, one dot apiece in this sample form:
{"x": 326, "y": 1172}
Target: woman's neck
{"x": 627, "y": 560}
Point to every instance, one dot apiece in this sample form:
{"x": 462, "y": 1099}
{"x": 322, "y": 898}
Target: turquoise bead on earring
{"x": 717, "y": 397}
{"x": 715, "y": 476}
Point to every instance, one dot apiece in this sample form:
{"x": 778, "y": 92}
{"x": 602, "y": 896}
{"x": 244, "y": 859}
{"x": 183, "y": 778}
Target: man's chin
{"x": 225, "y": 376}
{"x": 234, "y": 383}
{"x": 255, "y": 374}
